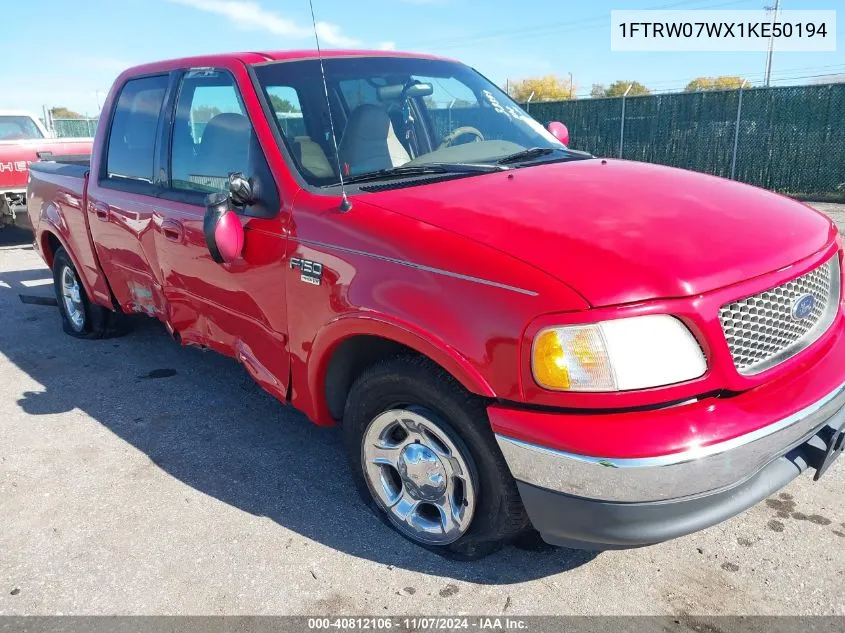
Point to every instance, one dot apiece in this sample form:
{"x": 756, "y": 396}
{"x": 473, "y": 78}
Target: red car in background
{"x": 510, "y": 333}
{"x": 23, "y": 140}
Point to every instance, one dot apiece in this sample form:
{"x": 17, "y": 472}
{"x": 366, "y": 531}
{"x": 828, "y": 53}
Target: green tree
{"x": 618, "y": 88}
{"x": 598, "y": 91}
{"x": 548, "y": 88}
{"x": 282, "y": 105}
{"x": 204, "y": 114}
{"x": 726, "y": 82}
{"x": 62, "y": 112}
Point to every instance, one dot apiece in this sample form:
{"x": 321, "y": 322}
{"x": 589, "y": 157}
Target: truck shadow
{"x": 15, "y": 236}
{"x": 201, "y": 419}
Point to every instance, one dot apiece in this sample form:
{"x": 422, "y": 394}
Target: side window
{"x": 357, "y": 92}
{"x": 309, "y": 153}
{"x": 451, "y": 105}
{"x": 285, "y": 103}
{"x": 211, "y": 133}
{"x": 133, "y": 129}
{"x": 448, "y": 92}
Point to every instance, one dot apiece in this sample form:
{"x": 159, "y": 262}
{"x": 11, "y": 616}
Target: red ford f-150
{"x": 22, "y": 140}
{"x": 509, "y": 333}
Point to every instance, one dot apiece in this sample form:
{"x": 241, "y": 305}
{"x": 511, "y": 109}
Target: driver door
{"x": 237, "y": 309}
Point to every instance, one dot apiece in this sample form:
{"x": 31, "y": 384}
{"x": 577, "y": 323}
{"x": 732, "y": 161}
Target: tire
{"x": 81, "y": 318}
{"x": 419, "y": 398}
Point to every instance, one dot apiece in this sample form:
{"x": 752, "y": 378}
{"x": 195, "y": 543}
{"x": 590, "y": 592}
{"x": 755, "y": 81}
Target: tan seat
{"x": 369, "y": 142}
{"x": 313, "y": 158}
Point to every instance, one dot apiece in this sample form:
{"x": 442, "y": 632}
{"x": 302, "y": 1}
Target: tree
{"x": 432, "y": 104}
{"x": 204, "y": 113}
{"x": 618, "y": 88}
{"x": 548, "y": 88}
{"x": 62, "y": 112}
{"x": 598, "y": 91}
{"x": 726, "y": 82}
{"x": 282, "y": 105}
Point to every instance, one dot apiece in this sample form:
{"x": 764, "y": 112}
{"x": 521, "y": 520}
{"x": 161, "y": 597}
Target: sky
{"x": 67, "y": 54}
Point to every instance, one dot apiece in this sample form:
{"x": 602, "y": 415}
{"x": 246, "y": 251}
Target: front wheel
{"x": 425, "y": 459}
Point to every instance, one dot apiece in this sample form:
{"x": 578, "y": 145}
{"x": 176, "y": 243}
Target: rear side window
{"x": 132, "y": 138}
{"x": 211, "y": 133}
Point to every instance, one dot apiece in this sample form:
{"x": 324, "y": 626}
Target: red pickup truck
{"x": 22, "y": 140}
{"x": 509, "y": 333}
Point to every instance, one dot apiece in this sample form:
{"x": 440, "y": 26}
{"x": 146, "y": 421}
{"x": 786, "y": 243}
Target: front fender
{"x": 311, "y": 400}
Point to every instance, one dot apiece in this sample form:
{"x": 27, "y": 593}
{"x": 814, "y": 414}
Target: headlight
{"x": 633, "y": 353}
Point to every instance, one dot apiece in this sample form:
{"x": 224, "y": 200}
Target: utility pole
{"x": 622, "y": 124}
{"x": 771, "y": 43}
{"x": 570, "y": 85}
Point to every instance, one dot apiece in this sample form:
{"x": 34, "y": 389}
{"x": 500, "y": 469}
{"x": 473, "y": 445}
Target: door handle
{"x": 172, "y": 230}
{"x": 101, "y": 210}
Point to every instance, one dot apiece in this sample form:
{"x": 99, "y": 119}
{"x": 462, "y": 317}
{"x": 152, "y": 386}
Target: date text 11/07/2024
{"x": 419, "y": 623}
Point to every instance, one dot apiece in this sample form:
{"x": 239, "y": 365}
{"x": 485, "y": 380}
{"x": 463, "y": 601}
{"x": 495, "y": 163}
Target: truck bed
{"x": 57, "y": 206}
{"x": 74, "y": 166}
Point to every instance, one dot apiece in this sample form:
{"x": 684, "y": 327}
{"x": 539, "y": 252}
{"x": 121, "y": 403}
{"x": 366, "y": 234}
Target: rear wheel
{"x": 425, "y": 459}
{"x": 80, "y": 317}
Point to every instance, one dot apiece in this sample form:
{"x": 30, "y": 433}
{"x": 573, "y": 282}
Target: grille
{"x": 761, "y": 330}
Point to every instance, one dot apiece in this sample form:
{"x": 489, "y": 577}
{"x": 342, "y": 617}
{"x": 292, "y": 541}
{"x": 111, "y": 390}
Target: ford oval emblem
{"x": 803, "y": 306}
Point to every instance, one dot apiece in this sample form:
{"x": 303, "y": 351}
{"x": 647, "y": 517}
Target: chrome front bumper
{"x": 695, "y": 472}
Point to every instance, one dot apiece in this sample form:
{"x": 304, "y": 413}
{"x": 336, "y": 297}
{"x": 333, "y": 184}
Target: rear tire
{"x": 80, "y": 317}
{"x": 453, "y": 473}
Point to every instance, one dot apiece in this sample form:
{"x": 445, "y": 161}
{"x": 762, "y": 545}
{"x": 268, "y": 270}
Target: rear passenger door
{"x": 237, "y": 309}
{"x": 122, "y": 195}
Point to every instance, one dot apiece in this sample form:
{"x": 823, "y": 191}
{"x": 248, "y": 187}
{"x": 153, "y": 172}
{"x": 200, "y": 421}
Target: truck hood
{"x": 618, "y": 231}
{"x": 15, "y": 156}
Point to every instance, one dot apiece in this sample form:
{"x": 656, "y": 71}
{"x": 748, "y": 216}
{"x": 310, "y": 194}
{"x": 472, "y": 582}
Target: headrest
{"x": 369, "y": 122}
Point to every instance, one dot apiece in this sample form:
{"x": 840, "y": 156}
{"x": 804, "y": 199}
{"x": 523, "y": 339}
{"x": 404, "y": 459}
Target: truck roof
{"x": 25, "y": 113}
{"x": 260, "y": 57}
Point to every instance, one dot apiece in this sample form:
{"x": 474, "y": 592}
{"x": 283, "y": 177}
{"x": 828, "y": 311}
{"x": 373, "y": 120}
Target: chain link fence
{"x": 790, "y": 140}
{"x": 74, "y": 128}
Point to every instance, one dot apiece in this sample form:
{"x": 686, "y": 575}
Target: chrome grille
{"x": 761, "y": 330}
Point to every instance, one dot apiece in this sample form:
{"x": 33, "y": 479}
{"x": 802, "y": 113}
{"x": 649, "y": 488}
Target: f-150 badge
{"x": 309, "y": 272}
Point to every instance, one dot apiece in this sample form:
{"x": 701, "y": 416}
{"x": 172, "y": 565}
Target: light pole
{"x": 771, "y": 44}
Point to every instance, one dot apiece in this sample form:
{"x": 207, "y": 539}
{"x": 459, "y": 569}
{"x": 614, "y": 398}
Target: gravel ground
{"x": 137, "y": 477}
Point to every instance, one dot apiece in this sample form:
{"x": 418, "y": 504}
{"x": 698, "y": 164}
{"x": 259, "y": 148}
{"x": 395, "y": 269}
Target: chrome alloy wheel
{"x": 72, "y": 297}
{"x": 419, "y": 476}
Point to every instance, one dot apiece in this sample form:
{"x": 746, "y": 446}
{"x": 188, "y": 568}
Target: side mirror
{"x": 242, "y": 190}
{"x": 224, "y": 233}
{"x": 559, "y": 131}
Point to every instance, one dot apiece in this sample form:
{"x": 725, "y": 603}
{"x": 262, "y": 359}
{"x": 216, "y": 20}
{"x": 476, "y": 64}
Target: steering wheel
{"x": 455, "y": 134}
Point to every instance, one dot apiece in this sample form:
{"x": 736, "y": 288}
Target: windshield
{"x": 392, "y": 112}
{"x": 18, "y": 128}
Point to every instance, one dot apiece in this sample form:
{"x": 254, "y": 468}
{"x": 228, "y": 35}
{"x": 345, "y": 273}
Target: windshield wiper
{"x": 423, "y": 169}
{"x": 528, "y": 154}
